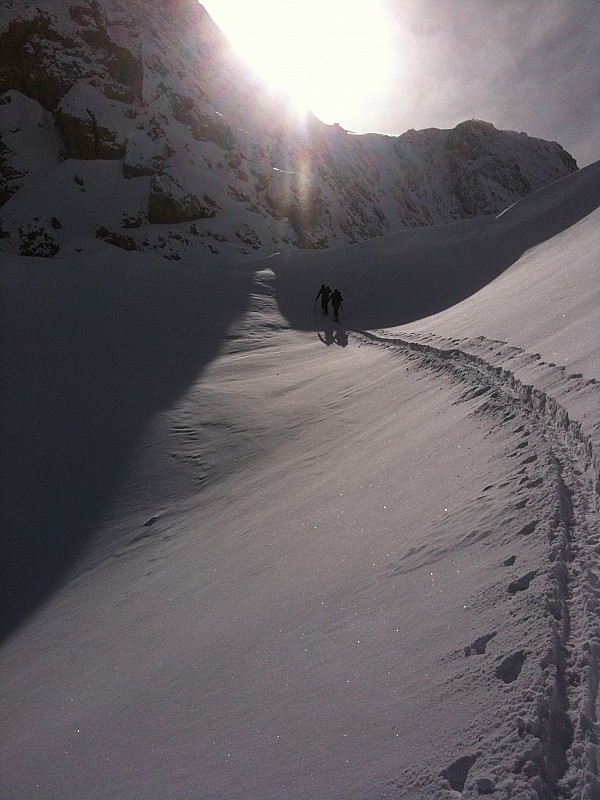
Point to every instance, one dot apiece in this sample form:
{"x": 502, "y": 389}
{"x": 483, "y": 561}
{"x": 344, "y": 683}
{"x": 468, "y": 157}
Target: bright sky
{"x": 329, "y": 56}
{"x": 390, "y": 65}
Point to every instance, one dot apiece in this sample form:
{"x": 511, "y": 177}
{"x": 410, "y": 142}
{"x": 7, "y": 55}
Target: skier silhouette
{"x": 336, "y": 302}
{"x": 324, "y": 294}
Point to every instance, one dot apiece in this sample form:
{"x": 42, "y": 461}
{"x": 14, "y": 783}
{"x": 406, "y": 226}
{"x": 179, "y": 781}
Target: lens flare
{"x": 329, "y": 57}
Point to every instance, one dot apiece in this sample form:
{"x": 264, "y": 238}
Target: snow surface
{"x": 253, "y": 554}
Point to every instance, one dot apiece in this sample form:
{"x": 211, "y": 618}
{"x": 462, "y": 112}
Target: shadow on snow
{"x": 88, "y": 354}
{"x": 410, "y": 275}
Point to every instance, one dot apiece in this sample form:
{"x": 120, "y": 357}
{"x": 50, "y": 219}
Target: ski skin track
{"x": 568, "y": 763}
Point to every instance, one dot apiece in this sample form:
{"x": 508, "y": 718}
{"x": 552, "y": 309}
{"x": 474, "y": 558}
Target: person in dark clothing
{"x": 324, "y": 294}
{"x": 336, "y": 301}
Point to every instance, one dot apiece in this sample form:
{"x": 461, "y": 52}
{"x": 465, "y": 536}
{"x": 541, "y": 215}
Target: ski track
{"x": 563, "y": 719}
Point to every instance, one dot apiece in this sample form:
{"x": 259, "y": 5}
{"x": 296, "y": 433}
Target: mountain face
{"x": 136, "y": 123}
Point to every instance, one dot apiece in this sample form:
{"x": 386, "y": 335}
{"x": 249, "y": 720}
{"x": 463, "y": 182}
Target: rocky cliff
{"x": 136, "y": 123}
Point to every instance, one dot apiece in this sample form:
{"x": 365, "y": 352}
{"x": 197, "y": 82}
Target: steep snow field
{"x": 253, "y": 554}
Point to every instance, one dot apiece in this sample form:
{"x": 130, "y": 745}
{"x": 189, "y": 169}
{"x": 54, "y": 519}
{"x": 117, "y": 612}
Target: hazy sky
{"x": 390, "y": 65}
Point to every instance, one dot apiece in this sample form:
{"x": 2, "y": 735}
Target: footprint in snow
{"x": 534, "y": 484}
{"x": 522, "y": 583}
{"x": 529, "y": 460}
{"x": 479, "y": 645}
{"x": 509, "y": 669}
{"x": 520, "y": 446}
{"x": 528, "y": 529}
{"x": 457, "y": 772}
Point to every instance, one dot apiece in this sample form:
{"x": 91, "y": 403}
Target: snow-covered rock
{"x": 157, "y": 88}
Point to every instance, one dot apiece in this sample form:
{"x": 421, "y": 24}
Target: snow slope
{"x": 252, "y": 554}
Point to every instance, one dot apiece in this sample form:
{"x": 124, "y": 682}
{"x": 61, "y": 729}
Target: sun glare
{"x": 328, "y": 55}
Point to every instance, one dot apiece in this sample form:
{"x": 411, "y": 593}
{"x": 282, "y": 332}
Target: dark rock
{"x": 116, "y": 239}
{"x": 168, "y": 203}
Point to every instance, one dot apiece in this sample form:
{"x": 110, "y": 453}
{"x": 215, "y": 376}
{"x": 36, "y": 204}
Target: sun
{"x": 329, "y": 56}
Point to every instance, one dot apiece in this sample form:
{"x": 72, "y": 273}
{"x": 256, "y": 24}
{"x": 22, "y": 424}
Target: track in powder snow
{"x": 568, "y": 517}
{"x": 535, "y": 613}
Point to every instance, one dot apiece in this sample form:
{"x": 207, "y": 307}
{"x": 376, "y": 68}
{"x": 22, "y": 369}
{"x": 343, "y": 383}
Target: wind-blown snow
{"x": 253, "y": 554}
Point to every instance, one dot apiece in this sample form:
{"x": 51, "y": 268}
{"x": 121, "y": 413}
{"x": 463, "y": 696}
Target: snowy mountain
{"x": 137, "y": 124}
{"x": 248, "y": 553}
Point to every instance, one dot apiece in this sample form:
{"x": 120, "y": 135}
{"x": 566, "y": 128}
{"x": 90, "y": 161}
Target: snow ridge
{"x": 560, "y": 737}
